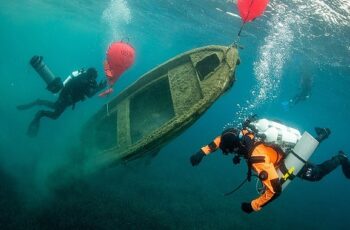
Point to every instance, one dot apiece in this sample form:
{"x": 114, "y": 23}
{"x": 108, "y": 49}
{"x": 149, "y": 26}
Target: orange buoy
{"x": 120, "y": 56}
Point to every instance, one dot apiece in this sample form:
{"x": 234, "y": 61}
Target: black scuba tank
{"x": 54, "y": 84}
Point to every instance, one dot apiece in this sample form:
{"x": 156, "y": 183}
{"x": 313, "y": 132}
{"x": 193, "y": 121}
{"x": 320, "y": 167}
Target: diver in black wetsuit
{"x": 304, "y": 93}
{"x": 76, "y": 89}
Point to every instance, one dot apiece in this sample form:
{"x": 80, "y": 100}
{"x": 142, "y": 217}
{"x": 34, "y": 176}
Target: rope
{"x": 243, "y": 23}
{"x": 238, "y": 187}
{"x": 260, "y": 187}
{"x": 107, "y": 107}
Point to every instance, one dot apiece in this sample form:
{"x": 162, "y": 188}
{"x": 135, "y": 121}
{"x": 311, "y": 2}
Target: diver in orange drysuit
{"x": 264, "y": 159}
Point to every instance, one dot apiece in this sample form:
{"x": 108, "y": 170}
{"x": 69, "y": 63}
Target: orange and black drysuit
{"x": 264, "y": 159}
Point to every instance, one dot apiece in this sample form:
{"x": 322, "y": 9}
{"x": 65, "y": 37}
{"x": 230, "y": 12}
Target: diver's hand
{"x": 236, "y": 160}
{"x": 197, "y": 158}
{"x": 247, "y": 207}
{"x": 249, "y": 120}
{"x": 102, "y": 85}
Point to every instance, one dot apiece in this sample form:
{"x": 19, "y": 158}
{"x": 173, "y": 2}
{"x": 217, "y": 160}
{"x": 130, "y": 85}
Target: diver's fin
{"x": 322, "y": 133}
{"x": 33, "y": 128}
{"x": 29, "y": 105}
{"x": 25, "y": 106}
{"x": 345, "y": 163}
{"x": 346, "y": 168}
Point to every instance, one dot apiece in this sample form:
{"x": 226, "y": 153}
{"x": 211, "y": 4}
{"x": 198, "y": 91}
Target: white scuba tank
{"x": 297, "y": 158}
{"x": 272, "y": 132}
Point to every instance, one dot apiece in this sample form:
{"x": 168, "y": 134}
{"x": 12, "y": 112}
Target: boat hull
{"x": 160, "y": 105}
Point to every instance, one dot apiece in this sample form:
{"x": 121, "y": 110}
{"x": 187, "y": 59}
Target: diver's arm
{"x": 95, "y": 88}
{"x": 206, "y": 150}
{"x": 273, "y": 187}
{"x": 212, "y": 146}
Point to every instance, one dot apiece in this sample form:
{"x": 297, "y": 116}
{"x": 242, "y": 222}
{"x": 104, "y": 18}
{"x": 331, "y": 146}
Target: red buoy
{"x": 120, "y": 56}
{"x": 251, "y": 9}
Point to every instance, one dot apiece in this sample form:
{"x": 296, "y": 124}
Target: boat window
{"x": 106, "y": 132}
{"x": 207, "y": 65}
{"x": 150, "y": 109}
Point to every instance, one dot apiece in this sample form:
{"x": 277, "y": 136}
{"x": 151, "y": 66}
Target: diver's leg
{"x": 329, "y": 165}
{"x": 37, "y": 102}
{"x": 46, "y": 103}
{"x": 27, "y": 106}
{"x": 51, "y": 114}
{"x": 34, "y": 125}
{"x": 313, "y": 172}
{"x": 310, "y": 172}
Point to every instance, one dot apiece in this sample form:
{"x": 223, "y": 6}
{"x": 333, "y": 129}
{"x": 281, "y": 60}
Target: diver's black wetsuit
{"x": 305, "y": 89}
{"x": 313, "y": 172}
{"x": 75, "y": 90}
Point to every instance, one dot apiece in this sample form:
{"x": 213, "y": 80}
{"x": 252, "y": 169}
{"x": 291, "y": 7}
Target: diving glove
{"x": 247, "y": 207}
{"x": 236, "y": 160}
{"x": 197, "y": 158}
{"x": 249, "y": 120}
{"x": 101, "y": 85}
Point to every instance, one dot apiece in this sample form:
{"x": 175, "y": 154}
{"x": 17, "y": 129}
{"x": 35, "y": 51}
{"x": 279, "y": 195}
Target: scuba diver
{"x": 304, "y": 93}
{"x": 268, "y": 158}
{"x": 305, "y": 86}
{"x": 78, "y": 86}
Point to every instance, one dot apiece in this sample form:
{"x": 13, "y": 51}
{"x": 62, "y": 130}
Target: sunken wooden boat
{"x": 160, "y": 104}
